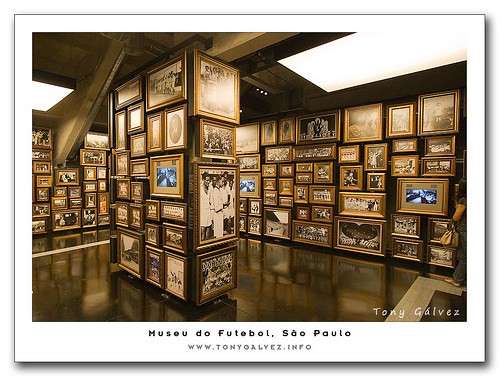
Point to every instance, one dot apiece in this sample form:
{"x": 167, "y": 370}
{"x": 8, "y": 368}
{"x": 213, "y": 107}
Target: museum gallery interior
{"x": 208, "y": 177}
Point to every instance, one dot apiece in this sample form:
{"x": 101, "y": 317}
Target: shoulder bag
{"x": 450, "y": 237}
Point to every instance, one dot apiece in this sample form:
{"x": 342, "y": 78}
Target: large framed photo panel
{"x": 438, "y": 113}
{"x": 363, "y": 123}
{"x": 131, "y": 251}
{"x": 166, "y": 175}
{"x": 318, "y": 128}
{"x": 215, "y": 185}
{"x": 155, "y": 132}
{"x": 422, "y": 196}
{"x": 217, "y": 89}
{"x": 217, "y": 140}
{"x": 360, "y": 235}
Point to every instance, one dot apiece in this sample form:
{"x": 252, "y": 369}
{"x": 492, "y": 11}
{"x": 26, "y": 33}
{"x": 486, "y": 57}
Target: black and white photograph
{"x": 438, "y": 166}
{"x": 89, "y": 218}
{"x": 360, "y": 235}
{"x": 173, "y": 211}
{"x": 94, "y": 140}
{"x": 269, "y": 170}
{"x": 441, "y": 256}
{"x": 320, "y": 152}
{"x": 318, "y": 127}
{"x": 301, "y": 194}
{"x": 152, "y": 210}
{"x": 139, "y": 167}
{"x": 362, "y": 204}
{"x": 41, "y": 155}
{"x": 41, "y": 209}
{"x": 285, "y": 201}
{"x": 66, "y": 219}
{"x": 122, "y": 163}
{"x": 217, "y": 140}
{"x": 129, "y": 92}
{"x": 278, "y": 154}
{"x": 136, "y": 216}
{"x": 248, "y": 138}
{"x": 404, "y": 145}
{"x": 287, "y": 170}
{"x": 255, "y": 206}
{"x": 122, "y": 213}
{"x": 152, "y": 234}
{"x": 376, "y": 157}
{"x": 42, "y": 194}
{"x": 316, "y": 234}
{"x": 287, "y": 131}
{"x": 254, "y": 225}
{"x": 39, "y": 226}
{"x": 175, "y": 237}
{"x": 155, "y": 132}
{"x": 92, "y": 157}
{"x": 121, "y": 130}
{"x": 405, "y": 225}
{"x": 68, "y": 176}
{"x": 436, "y": 229}
{"x": 249, "y": 185}
{"x": 138, "y": 145}
{"x": 351, "y": 177}
{"x": 438, "y": 113}
{"x": 165, "y": 84}
{"x": 277, "y": 222}
{"x": 323, "y": 172}
{"x": 400, "y": 120}
{"x": 131, "y": 251}
{"x": 440, "y": 146}
{"x": 269, "y": 133}
{"x": 320, "y": 213}
{"x": 123, "y": 188}
{"x": 404, "y": 166}
{"x": 249, "y": 162}
{"x": 363, "y": 123}
{"x": 322, "y": 194}
{"x": 271, "y": 197}
{"x": 407, "y": 249}
{"x": 175, "y": 128}
{"x": 375, "y": 181}
{"x": 41, "y": 137}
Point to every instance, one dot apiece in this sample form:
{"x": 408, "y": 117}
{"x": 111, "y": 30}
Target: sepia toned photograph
{"x": 41, "y": 137}
{"x": 323, "y": 172}
{"x": 41, "y": 155}
{"x": 301, "y": 194}
{"x": 400, "y": 120}
{"x": 67, "y": 176}
{"x": 152, "y": 234}
{"x": 303, "y": 178}
{"x": 59, "y": 203}
{"x": 90, "y": 200}
{"x": 270, "y": 197}
{"x": 122, "y": 163}
{"x": 269, "y": 133}
{"x": 122, "y": 213}
{"x": 74, "y": 192}
{"x": 89, "y": 218}
{"x": 322, "y": 213}
{"x": 42, "y": 194}
{"x": 94, "y": 140}
{"x": 173, "y": 211}
{"x": 129, "y": 92}
{"x": 249, "y": 162}
{"x": 314, "y": 153}
{"x": 39, "y": 226}
{"x": 348, "y": 154}
{"x": 89, "y": 173}
{"x": 441, "y": 256}
{"x": 41, "y": 209}
{"x": 436, "y": 229}
{"x": 254, "y": 225}
{"x": 322, "y": 195}
{"x": 155, "y": 132}
{"x": 375, "y": 181}
{"x": 438, "y": 166}
{"x": 287, "y": 170}
{"x": 405, "y": 145}
{"x": 278, "y": 222}
{"x": 41, "y": 167}
{"x": 217, "y": 140}
{"x": 138, "y": 145}
{"x": 155, "y": 265}
{"x": 438, "y": 113}
{"x": 176, "y": 128}
{"x": 136, "y": 216}
{"x": 153, "y": 210}
{"x": 404, "y": 166}
{"x": 278, "y": 154}
{"x": 360, "y": 235}
{"x": 405, "y": 225}
{"x": 175, "y": 237}
{"x": 92, "y": 157}
{"x": 285, "y": 186}
{"x": 318, "y": 128}
{"x": 311, "y": 233}
{"x": 440, "y": 145}
{"x": 285, "y": 201}
{"x": 362, "y": 204}
{"x": 269, "y": 170}
{"x": 176, "y": 275}
{"x": 254, "y": 206}
{"x": 287, "y": 131}
{"x": 303, "y": 213}
{"x": 135, "y": 118}
{"x": 376, "y": 157}
{"x": 123, "y": 188}
{"x": 121, "y": 130}
{"x": 66, "y": 219}
{"x": 363, "y": 123}
{"x": 131, "y": 251}
{"x": 248, "y": 138}
{"x": 408, "y": 249}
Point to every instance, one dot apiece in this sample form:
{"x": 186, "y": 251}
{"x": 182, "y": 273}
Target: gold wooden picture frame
{"x": 438, "y": 113}
{"x": 89, "y": 217}
{"x": 122, "y": 159}
{"x": 96, "y": 140}
{"x": 287, "y": 131}
{"x": 269, "y": 133}
{"x": 135, "y": 118}
{"x": 248, "y": 138}
{"x": 131, "y": 251}
{"x": 42, "y": 167}
{"x": 444, "y": 166}
{"x": 427, "y": 196}
{"x": 320, "y": 152}
{"x": 138, "y": 145}
{"x": 41, "y": 137}
{"x": 322, "y": 194}
{"x": 405, "y": 145}
{"x": 154, "y": 271}
{"x": 405, "y": 166}
{"x": 323, "y": 172}
{"x": 89, "y": 173}
{"x": 121, "y": 130}
{"x": 401, "y": 120}
{"x": 349, "y": 154}
{"x": 167, "y": 176}
{"x": 139, "y": 167}
{"x": 123, "y": 188}
{"x": 285, "y": 186}
{"x": 376, "y": 157}
{"x": 155, "y": 132}
{"x": 278, "y": 222}
{"x": 320, "y": 234}
{"x": 152, "y": 209}
{"x": 249, "y": 185}
{"x": 443, "y": 145}
{"x": 176, "y": 211}
{"x": 122, "y": 213}
{"x": 375, "y": 181}
{"x": 318, "y": 128}
{"x": 364, "y": 204}
{"x": 269, "y": 184}
{"x": 249, "y": 162}
{"x": 408, "y": 249}
{"x": 348, "y": 237}
{"x": 176, "y": 275}
{"x": 441, "y": 256}
{"x": 128, "y": 93}
{"x": 66, "y": 219}
{"x": 269, "y": 170}
{"x": 270, "y": 197}
{"x": 363, "y": 123}
{"x": 301, "y": 194}
{"x": 176, "y": 128}
{"x": 175, "y": 237}
{"x": 66, "y": 177}
{"x": 405, "y": 225}
{"x": 217, "y": 140}
{"x": 279, "y": 154}
{"x": 136, "y": 216}
{"x": 322, "y": 213}
{"x": 93, "y": 157}
{"x": 351, "y": 177}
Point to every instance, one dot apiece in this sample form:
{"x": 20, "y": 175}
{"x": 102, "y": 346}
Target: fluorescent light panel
{"x": 45, "y": 96}
{"x": 362, "y": 58}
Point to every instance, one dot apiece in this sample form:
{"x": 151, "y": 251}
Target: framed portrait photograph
{"x": 217, "y": 89}
{"x": 422, "y": 196}
{"x": 41, "y": 209}
{"x": 74, "y": 192}
{"x": 89, "y": 217}
{"x": 269, "y": 133}
{"x": 152, "y": 234}
{"x": 405, "y": 145}
{"x": 217, "y": 140}
{"x": 137, "y": 191}
{"x": 175, "y": 237}
{"x": 270, "y": 197}
{"x": 176, "y": 128}
{"x": 362, "y": 204}
{"x": 89, "y": 173}
{"x": 242, "y": 223}
{"x": 375, "y": 181}
{"x": 254, "y": 206}
{"x": 322, "y": 195}
{"x": 322, "y": 214}
{"x": 66, "y": 219}
{"x": 131, "y": 251}
{"x": 123, "y": 188}
{"x": 96, "y": 140}
{"x": 436, "y": 228}
{"x": 285, "y": 201}
{"x": 216, "y": 273}
{"x": 323, "y": 172}
{"x": 287, "y": 131}
{"x": 303, "y": 178}
{"x": 376, "y": 157}
{"x": 167, "y": 83}
{"x": 122, "y": 213}
{"x": 301, "y": 194}
{"x": 42, "y": 194}
{"x": 269, "y": 170}
{"x": 278, "y": 154}
{"x": 363, "y": 123}
{"x": 249, "y": 162}
{"x": 155, "y": 132}
{"x": 103, "y": 203}
{"x": 214, "y": 187}
{"x": 41, "y": 154}
{"x": 351, "y": 177}
{"x": 153, "y": 210}
{"x": 348, "y": 154}
{"x": 438, "y": 166}
{"x": 155, "y": 266}
{"x": 278, "y": 222}
{"x": 176, "y": 275}
{"x": 314, "y": 152}
{"x": 440, "y": 145}
{"x": 59, "y": 203}
{"x": 438, "y": 113}
{"x": 136, "y": 216}
{"x": 129, "y": 92}
{"x": 401, "y": 120}
{"x": 360, "y": 235}
{"x": 41, "y": 167}
{"x": 90, "y": 200}
{"x": 135, "y": 118}
{"x": 174, "y": 211}
{"x": 139, "y": 167}
{"x": 138, "y": 145}
{"x": 248, "y": 138}
{"x": 319, "y": 234}
{"x": 441, "y": 256}
{"x": 167, "y": 176}
{"x": 93, "y": 157}
{"x": 249, "y": 185}
{"x": 405, "y": 166}
{"x": 254, "y": 225}
{"x": 41, "y": 137}
{"x": 318, "y": 128}
{"x": 405, "y": 225}
{"x": 67, "y": 176}
{"x": 39, "y": 226}
{"x": 408, "y": 249}
{"x": 122, "y": 163}
{"x": 303, "y": 213}
{"x": 121, "y": 130}
{"x": 285, "y": 186}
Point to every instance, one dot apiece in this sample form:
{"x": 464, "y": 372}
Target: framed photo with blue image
{"x": 166, "y": 176}
{"x": 422, "y": 196}
{"x": 250, "y": 185}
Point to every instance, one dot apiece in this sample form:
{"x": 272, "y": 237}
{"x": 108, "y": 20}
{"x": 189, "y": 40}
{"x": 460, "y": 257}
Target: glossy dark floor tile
{"x": 276, "y": 282}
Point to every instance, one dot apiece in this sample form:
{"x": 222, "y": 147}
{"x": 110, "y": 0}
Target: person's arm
{"x": 459, "y": 211}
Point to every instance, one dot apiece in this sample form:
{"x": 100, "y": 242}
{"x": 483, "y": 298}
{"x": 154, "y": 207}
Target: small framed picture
{"x": 131, "y": 251}
{"x": 303, "y": 213}
{"x": 139, "y": 167}
{"x": 167, "y": 176}
{"x": 348, "y": 236}
{"x": 101, "y": 172}
{"x": 122, "y": 213}
{"x": 304, "y": 167}
{"x": 287, "y": 170}
{"x": 136, "y": 216}
{"x": 74, "y": 192}
{"x": 138, "y": 145}
{"x": 314, "y": 152}
{"x": 254, "y": 225}
{"x": 153, "y": 210}
{"x": 89, "y": 186}
{"x": 135, "y": 118}
{"x": 405, "y": 225}
{"x": 103, "y": 203}
{"x": 351, "y": 177}
{"x": 152, "y": 233}
{"x": 41, "y": 137}
{"x": 176, "y": 275}
{"x": 43, "y": 181}
{"x": 441, "y": 256}
{"x": 301, "y": 194}
{"x": 89, "y": 217}
{"x": 285, "y": 186}
{"x": 348, "y": 154}
{"x": 405, "y": 145}
{"x": 176, "y": 128}
{"x": 121, "y": 130}
{"x": 217, "y": 140}
{"x": 94, "y": 140}
{"x": 249, "y": 185}
{"x": 254, "y": 206}
{"x": 90, "y": 200}
{"x": 41, "y": 209}
{"x": 102, "y": 185}
{"x": 440, "y": 145}
{"x": 269, "y": 133}
{"x": 155, "y": 123}
{"x": 122, "y": 163}
{"x": 89, "y": 173}
{"x": 248, "y": 138}
{"x": 278, "y": 222}
{"x": 323, "y": 172}
{"x": 75, "y": 203}
{"x": 401, "y": 120}
{"x": 303, "y": 178}
{"x": 362, "y": 204}
{"x": 438, "y": 113}
{"x": 60, "y": 191}
{"x": 278, "y": 154}
{"x": 41, "y": 167}
{"x": 242, "y": 223}
{"x": 243, "y": 205}
{"x": 42, "y": 194}
{"x": 155, "y": 266}
{"x": 175, "y": 237}
{"x": 103, "y": 220}
{"x": 404, "y": 166}
{"x": 287, "y": 131}
{"x": 439, "y": 166}
{"x": 322, "y": 214}
{"x": 408, "y": 249}
{"x": 41, "y": 154}
{"x": 39, "y": 226}
{"x": 173, "y": 211}
{"x": 123, "y": 188}
{"x": 249, "y": 162}
{"x": 376, "y": 157}
{"x": 375, "y": 181}
{"x": 67, "y": 176}
{"x": 322, "y": 195}
{"x": 93, "y": 157}
{"x": 137, "y": 191}
{"x": 270, "y": 197}
{"x": 436, "y": 228}
{"x": 363, "y": 123}
{"x": 285, "y": 201}
{"x": 269, "y": 170}
{"x": 66, "y": 219}
{"x": 59, "y": 203}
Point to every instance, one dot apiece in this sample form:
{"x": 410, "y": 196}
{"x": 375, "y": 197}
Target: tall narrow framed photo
{"x": 438, "y": 113}
{"x": 122, "y": 213}
{"x": 428, "y": 196}
{"x": 167, "y": 83}
{"x": 362, "y": 204}
{"x": 122, "y": 162}
{"x": 248, "y": 138}
{"x": 269, "y": 133}
{"x": 155, "y": 126}
{"x": 318, "y": 128}
{"x": 401, "y": 120}
{"x": 155, "y": 266}
{"x": 217, "y": 89}
{"x": 152, "y": 210}
{"x": 152, "y": 234}
{"x": 167, "y": 176}
{"x": 176, "y": 128}
{"x": 121, "y": 130}
{"x": 41, "y": 137}
{"x": 89, "y": 217}
{"x": 287, "y": 131}
{"x": 131, "y": 251}
{"x": 96, "y": 140}
{"x": 360, "y": 235}
{"x": 135, "y": 118}
{"x": 136, "y": 213}
{"x": 278, "y": 222}
{"x": 319, "y": 234}
{"x": 217, "y": 140}
{"x": 103, "y": 203}
{"x": 176, "y": 275}
{"x": 128, "y": 93}
{"x": 363, "y": 123}
{"x": 138, "y": 145}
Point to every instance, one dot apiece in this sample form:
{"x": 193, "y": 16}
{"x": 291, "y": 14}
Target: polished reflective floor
{"x": 73, "y": 280}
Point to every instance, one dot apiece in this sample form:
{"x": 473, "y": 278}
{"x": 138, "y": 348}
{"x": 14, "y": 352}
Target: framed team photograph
{"x": 303, "y": 178}
{"x": 139, "y": 167}
{"x": 41, "y": 209}
{"x": 269, "y": 133}
{"x": 405, "y": 225}
{"x": 405, "y": 166}
{"x": 89, "y": 186}
{"x": 42, "y": 194}
{"x": 103, "y": 203}
{"x": 131, "y": 251}
{"x": 438, "y": 166}
{"x": 129, "y": 92}
{"x": 314, "y": 152}
{"x": 405, "y": 145}
{"x": 66, "y": 219}
{"x": 375, "y": 181}
{"x": 278, "y": 154}
{"x": 176, "y": 211}
{"x": 278, "y": 222}
{"x": 41, "y": 137}
{"x": 348, "y": 154}
{"x": 217, "y": 89}
{"x": 363, "y": 123}
{"x": 319, "y": 234}
{"x": 287, "y": 131}
{"x": 155, "y": 131}
{"x": 93, "y": 157}
{"x": 440, "y": 145}
{"x": 362, "y": 204}
{"x": 436, "y": 228}
{"x": 422, "y": 196}
{"x": 123, "y": 188}
{"x": 96, "y": 140}
{"x": 249, "y": 185}
{"x": 376, "y": 157}
{"x": 176, "y": 132}
{"x": 351, "y": 177}
{"x": 152, "y": 234}
{"x": 166, "y": 84}
{"x": 121, "y": 130}
{"x": 323, "y": 172}
{"x": 322, "y": 213}
{"x": 153, "y": 210}
{"x": 285, "y": 201}
{"x": 138, "y": 145}
{"x": 401, "y": 120}
{"x": 408, "y": 249}
{"x": 167, "y": 176}
{"x": 254, "y": 225}
{"x": 89, "y": 217}
{"x": 122, "y": 162}
{"x": 287, "y": 170}
{"x": 67, "y": 176}
{"x": 438, "y": 113}
{"x": 44, "y": 181}
{"x": 318, "y": 128}
{"x": 441, "y": 256}
{"x": 122, "y": 213}
{"x": 217, "y": 140}
{"x": 254, "y": 206}
{"x": 155, "y": 266}
{"x": 322, "y": 195}
{"x": 360, "y": 235}
{"x": 301, "y": 194}
{"x": 248, "y": 138}
{"x": 74, "y": 192}
{"x": 176, "y": 275}
{"x": 303, "y": 213}
{"x": 249, "y": 162}
{"x": 41, "y": 167}
{"x": 175, "y": 237}
{"x": 269, "y": 170}
{"x": 41, "y": 154}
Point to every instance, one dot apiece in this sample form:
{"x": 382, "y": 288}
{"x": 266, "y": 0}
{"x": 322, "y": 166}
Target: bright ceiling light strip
{"x": 45, "y": 96}
{"x": 361, "y": 58}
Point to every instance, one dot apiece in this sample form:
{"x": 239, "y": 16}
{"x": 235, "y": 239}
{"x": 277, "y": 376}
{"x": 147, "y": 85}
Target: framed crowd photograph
{"x": 243, "y": 205}
{"x": 67, "y": 176}
{"x": 360, "y": 235}
{"x": 122, "y": 213}
{"x": 121, "y": 130}
{"x": 138, "y": 145}
{"x": 122, "y": 163}
{"x": 216, "y": 273}
{"x": 103, "y": 203}
{"x": 269, "y": 133}
{"x": 439, "y": 166}
{"x": 176, "y": 275}
{"x": 139, "y": 167}
{"x": 136, "y": 216}
{"x": 254, "y": 206}
{"x": 362, "y": 204}
{"x": 314, "y": 152}
{"x": 441, "y": 256}
{"x": 440, "y": 145}
{"x": 318, "y": 128}
{"x": 270, "y": 197}
{"x": 405, "y": 166}
{"x": 39, "y": 226}
{"x": 322, "y": 213}
{"x": 41, "y": 167}
{"x": 129, "y": 92}
{"x": 167, "y": 176}
{"x": 269, "y": 170}
{"x": 95, "y": 140}
{"x": 152, "y": 234}
{"x": 249, "y": 162}
{"x": 102, "y": 185}
{"x": 216, "y": 89}
{"x": 286, "y": 131}
{"x": 405, "y": 145}
{"x": 408, "y": 249}
{"x": 166, "y": 84}
{"x": 90, "y": 200}
{"x": 174, "y": 211}
{"x": 89, "y": 173}
{"x": 89, "y": 186}
{"x": 42, "y": 194}
{"x": 287, "y": 170}
{"x": 254, "y": 225}
{"x": 41, "y": 209}
{"x": 131, "y": 251}
{"x": 43, "y": 181}
{"x": 348, "y": 154}
{"x": 285, "y": 186}
{"x": 74, "y": 192}
{"x": 322, "y": 195}
{"x": 155, "y": 132}
{"x": 401, "y": 120}
{"x": 175, "y": 237}
{"x": 278, "y": 154}
{"x": 376, "y": 157}
{"x": 301, "y": 194}
{"x": 323, "y": 172}
{"x": 363, "y": 123}
{"x": 123, "y": 188}
{"x": 278, "y": 222}
{"x": 249, "y": 185}
{"x": 285, "y": 201}
{"x": 66, "y": 219}
{"x": 176, "y": 128}
{"x": 75, "y": 203}
{"x": 60, "y": 191}
{"x": 92, "y": 157}
{"x": 215, "y": 183}
{"x": 303, "y": 178}
{"x": 438, "y": 113}
{"x": 270, "y": 184}
{"x": 312, "y": 233}
{"x": 89, "y": 218}
{"x": 351, "y": 177}
{"x": 137, "y": 191}
{"x": 41, "y": 154}
{"x": 422, "y": 196}
{"x": 217, "y": 140}
{"x": 436, "y": 228}
{"x": 135, "y": 118}
{"x": 375, "y": 181}
{"x": 242, "y": 223}
{"x": 248, "y": 138}
{"x": 155, "y": 266}
{"x": 153, "y": 210}
{"x": 41, "y": 137}
{"x": 303, "y": 213}
{"x": 59, "y": 203}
